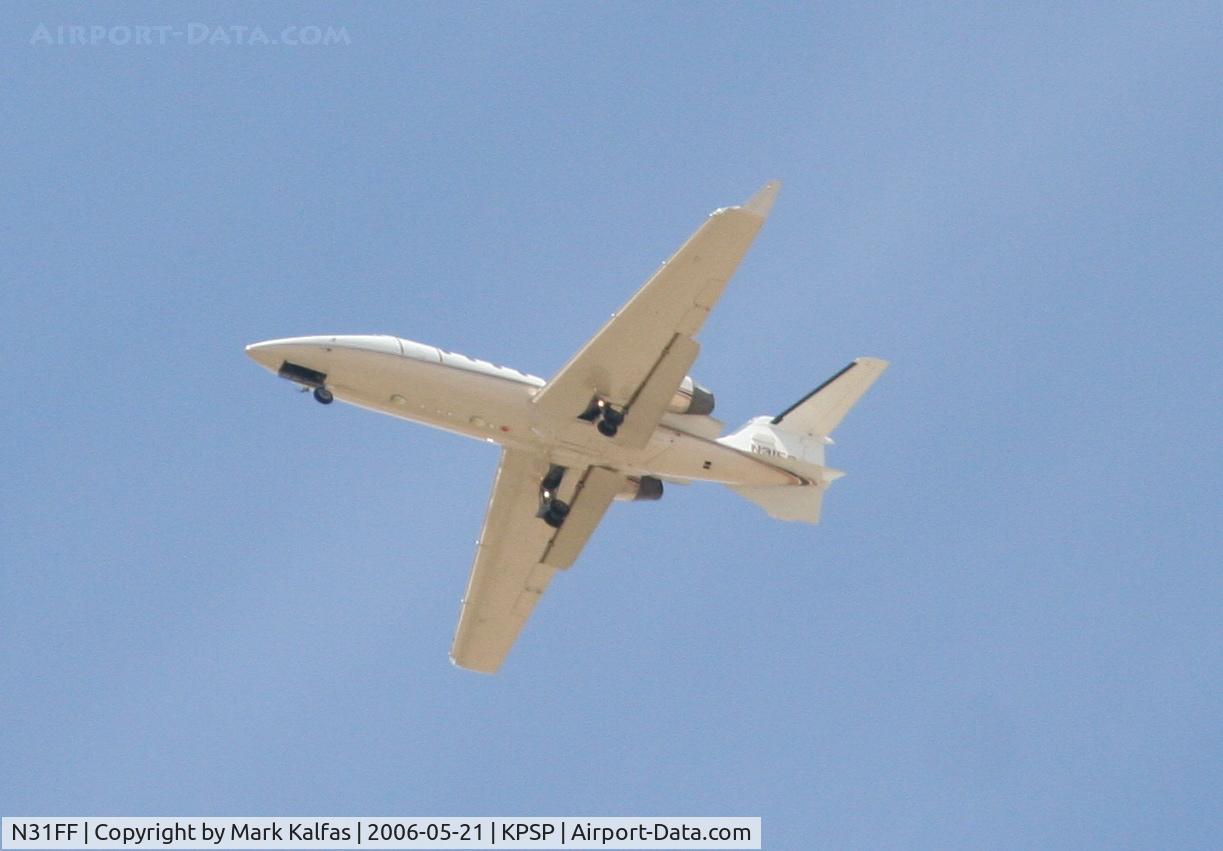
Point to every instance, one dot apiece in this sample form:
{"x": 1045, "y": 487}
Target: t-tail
{"x": 796, "y": 438}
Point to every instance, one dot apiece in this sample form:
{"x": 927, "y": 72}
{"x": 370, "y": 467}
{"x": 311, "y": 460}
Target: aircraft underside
{"x": 621, "y": 417}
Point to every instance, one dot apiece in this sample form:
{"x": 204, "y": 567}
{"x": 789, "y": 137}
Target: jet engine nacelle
{"x": 644, "y": 488}
{"x": 691, "y": 398}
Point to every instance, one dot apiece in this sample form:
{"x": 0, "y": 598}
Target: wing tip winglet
{"x": 762, "y": 202}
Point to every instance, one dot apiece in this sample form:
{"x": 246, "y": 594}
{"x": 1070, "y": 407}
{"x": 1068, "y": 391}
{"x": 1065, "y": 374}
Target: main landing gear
{"x": 606, "y": 418}
{"x": 551, "y": 508}
{"x": 323, "y": 396}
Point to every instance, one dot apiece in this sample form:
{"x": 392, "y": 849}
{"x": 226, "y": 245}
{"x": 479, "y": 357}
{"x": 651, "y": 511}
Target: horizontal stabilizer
{"x": 821, "y": 410}
{"x": 787, "y": 503}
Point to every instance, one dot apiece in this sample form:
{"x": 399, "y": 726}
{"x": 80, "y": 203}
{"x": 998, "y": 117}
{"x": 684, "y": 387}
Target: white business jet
{"x": 619, "y": 419}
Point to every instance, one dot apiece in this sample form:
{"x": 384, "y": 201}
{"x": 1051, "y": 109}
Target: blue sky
{"x": 221, "y": 598}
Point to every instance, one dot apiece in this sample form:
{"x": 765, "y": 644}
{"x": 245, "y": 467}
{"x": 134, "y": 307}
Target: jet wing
{"x": 638, "y": 359}
{"x": 518, "y": 553}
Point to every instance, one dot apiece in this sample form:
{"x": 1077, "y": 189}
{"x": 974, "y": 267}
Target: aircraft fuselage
{"x": 481, "y": 400}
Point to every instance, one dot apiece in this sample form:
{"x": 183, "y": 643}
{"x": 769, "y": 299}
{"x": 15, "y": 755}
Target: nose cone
{"x": 268, "y": 354}
{"x": 321, "y": 353}
{"x": 272, "y": 354}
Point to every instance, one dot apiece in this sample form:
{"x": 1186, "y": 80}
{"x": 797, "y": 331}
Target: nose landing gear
{"x": 323, "y": 396}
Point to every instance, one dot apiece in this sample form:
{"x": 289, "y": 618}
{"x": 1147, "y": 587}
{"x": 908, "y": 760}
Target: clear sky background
{"x": 220, "y": 598}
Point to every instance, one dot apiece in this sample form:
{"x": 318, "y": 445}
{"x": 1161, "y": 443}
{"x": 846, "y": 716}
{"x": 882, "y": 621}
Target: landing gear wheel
{"x": 607, "y": 429}
{"x": 323, "y": 396}
{"x": 552, "y": 481}
{"x": 592, "y": 411}
{"x": 556, "y": 513}
{"x": 613, "y": 417}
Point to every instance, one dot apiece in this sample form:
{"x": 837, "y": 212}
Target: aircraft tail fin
{"x": 795, "y": 440}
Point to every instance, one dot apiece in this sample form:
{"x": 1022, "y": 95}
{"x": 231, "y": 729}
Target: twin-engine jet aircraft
{"x": 619, "y": 419}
